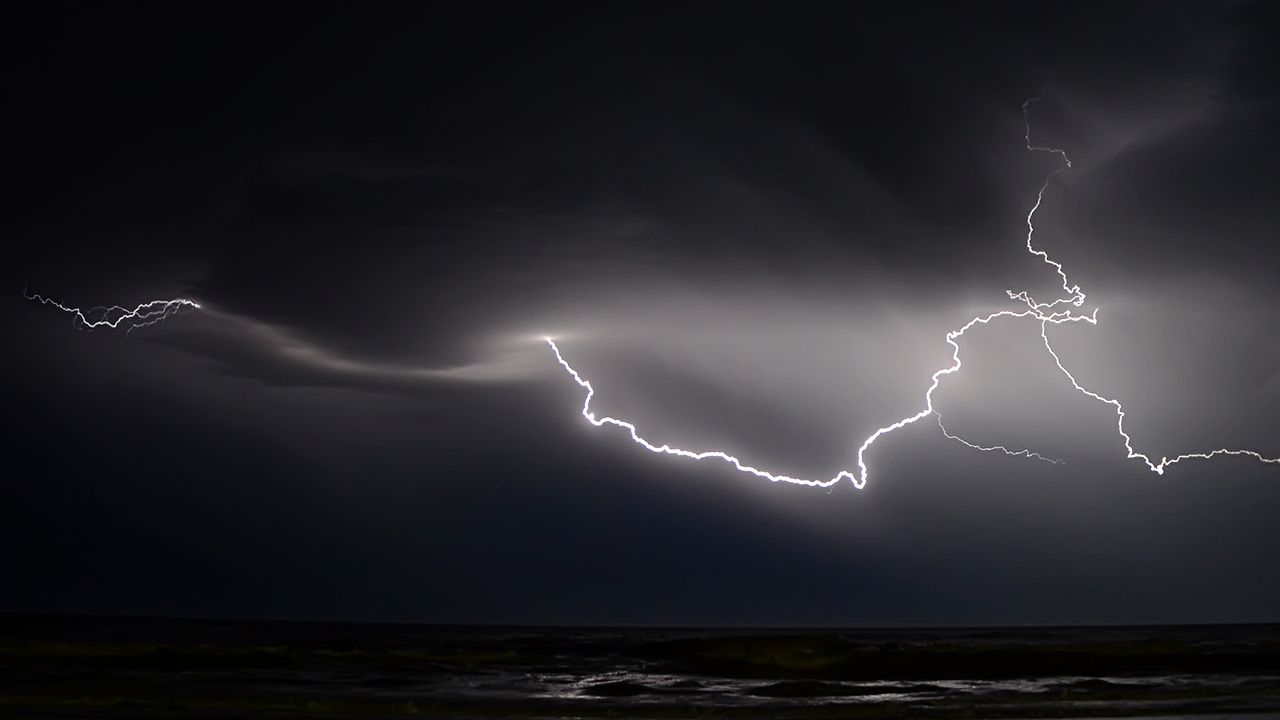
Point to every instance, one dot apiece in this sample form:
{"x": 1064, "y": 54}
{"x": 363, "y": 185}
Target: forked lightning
{"x": 1063, "y": 309}
{"x": 1046, "y": 313}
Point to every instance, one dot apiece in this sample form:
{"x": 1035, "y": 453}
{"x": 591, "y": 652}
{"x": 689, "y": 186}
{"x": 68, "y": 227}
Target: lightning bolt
{"x": 1046, "y": 313}
{"x": 997, "y": 448}
{"x": 1157, "y": 468}
{"x": 860, "y": 479}
{"x": 667, "y": 449}
{"x": 142, "y": 315}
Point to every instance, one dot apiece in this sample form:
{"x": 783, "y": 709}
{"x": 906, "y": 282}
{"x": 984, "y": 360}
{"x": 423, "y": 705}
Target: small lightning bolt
{"x": 141, "y": 315}
{"x": 1046, "y": 313}
{"x": 996, "y": 448}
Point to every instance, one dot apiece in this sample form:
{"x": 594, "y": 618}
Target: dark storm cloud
{"x": 768, "y": 152}
{"x": 751, "y": 226}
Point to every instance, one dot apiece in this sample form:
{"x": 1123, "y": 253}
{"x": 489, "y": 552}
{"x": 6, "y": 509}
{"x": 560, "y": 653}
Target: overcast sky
{"x": 750, "y": 225}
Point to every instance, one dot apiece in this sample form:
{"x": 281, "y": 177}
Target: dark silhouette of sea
{"x": 71, "y": 667}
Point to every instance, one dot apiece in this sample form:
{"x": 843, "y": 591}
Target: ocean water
{"x": 97, "y": 667}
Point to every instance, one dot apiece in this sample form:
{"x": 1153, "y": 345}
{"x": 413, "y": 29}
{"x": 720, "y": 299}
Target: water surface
{"x": 102, "y": 667}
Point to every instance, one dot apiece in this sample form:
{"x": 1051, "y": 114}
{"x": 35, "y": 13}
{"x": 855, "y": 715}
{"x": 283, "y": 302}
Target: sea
{"x": 73, "y": 667}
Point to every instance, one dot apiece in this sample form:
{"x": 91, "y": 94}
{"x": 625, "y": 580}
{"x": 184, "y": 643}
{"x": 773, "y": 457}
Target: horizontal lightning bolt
{"x": 1044, "y": 312}
{"x": 147, "y": 313}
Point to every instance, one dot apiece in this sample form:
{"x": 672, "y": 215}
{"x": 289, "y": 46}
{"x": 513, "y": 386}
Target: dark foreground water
{"x": 94, "y": 667}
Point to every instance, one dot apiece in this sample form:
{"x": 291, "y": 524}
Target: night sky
{"x": 750, "y": 225}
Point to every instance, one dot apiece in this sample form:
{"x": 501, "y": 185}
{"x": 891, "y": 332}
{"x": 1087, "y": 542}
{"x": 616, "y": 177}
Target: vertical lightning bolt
{"x": 142, "y": 315}
{"x": 1046, "y": 313}
{"x": 1076, "y": 297}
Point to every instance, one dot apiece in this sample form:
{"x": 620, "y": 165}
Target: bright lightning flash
{"x": 1064, "y": 309}
{"x": 1046, "y": 313}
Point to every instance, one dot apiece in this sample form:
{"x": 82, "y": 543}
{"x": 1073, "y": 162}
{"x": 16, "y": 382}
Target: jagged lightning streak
{"x": 1044, "y": 312}
{"x": 667, "y": 449}
{"x": 1157, "y": 468}
{"x": 860, "y": 479}
{"x": 1076, "y": 297}
{"x": 996, "y": 448}
{"x": 141, "y": 315}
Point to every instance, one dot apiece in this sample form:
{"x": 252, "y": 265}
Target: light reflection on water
{"x": 201, "y": 669}
{"x": 643, "y": 688}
